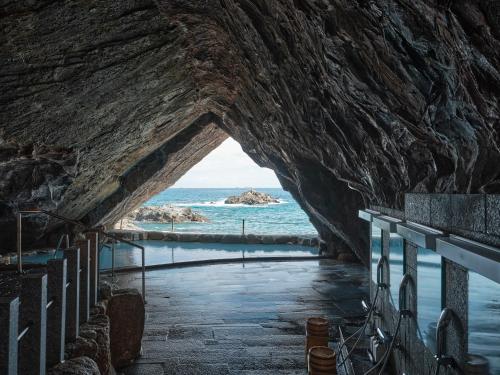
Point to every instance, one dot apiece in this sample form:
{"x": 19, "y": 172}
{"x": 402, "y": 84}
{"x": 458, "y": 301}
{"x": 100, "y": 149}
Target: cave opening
{"x": 227, "y": 193}
{"x": 382, "y": 110}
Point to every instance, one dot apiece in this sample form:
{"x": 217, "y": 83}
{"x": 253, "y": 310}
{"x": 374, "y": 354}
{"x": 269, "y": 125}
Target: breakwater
{"x": 136, "y": 235}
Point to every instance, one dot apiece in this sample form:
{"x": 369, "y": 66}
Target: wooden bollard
{"x": 322, "y": 361}
{"x": 316, "y": 333}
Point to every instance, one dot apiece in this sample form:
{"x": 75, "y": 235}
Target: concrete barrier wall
{"x": 474, "y": 216}
{"x": 219, "y": 238}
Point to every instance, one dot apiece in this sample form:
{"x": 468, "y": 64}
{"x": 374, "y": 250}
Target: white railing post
{"x": 33, "y": 324}
{"x": 56, "y": 310}
{"x": 84, "y": 247}
{"x": 19, "y": 218}
{"x": 9, "y": 328}
{"x": 94, "y": 266}
{"x": 72, "y": 255}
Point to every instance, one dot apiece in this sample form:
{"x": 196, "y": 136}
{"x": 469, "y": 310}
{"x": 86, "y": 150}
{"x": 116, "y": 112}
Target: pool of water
{"x": 484, "y": 300}
{"x": 376, "y": 252}
{"x": 484, "y": 319}
{"x": 429, "y": 297}
{"x": 163, "y": 252}
{"x": 396, "y": 267}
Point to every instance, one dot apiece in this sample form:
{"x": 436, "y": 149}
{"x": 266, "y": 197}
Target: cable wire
{"x": 391, "y": 346}
{"x": 361, "y": 330}
{"x": 376, "y": 365}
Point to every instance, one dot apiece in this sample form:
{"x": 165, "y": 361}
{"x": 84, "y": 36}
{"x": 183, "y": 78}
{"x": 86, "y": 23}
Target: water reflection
{"x": 376, "y": 252}
{"x": 484, "y": 319}
{"x": 428, "y": 294}
{"x": 396, "y": 266}
{"x": 162, "y": 252}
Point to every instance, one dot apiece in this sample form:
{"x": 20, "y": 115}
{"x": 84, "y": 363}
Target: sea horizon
{"x": 285, "y": 217}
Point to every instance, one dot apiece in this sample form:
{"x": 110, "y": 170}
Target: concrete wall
{"x": 219, "y": 238}
{"x": 475, "y": 217}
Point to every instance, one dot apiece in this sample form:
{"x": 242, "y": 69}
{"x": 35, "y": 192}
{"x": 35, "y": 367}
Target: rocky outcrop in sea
{"x": 251, "y": 197}
{"x": 165, "y": 214}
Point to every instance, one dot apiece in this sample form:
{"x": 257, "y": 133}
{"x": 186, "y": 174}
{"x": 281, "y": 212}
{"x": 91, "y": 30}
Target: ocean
{"x": 285, "y": 217}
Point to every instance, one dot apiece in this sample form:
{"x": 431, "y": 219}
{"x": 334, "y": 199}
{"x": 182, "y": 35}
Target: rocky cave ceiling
{"x": 105, "y": 103}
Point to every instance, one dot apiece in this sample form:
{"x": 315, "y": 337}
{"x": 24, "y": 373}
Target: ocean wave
{"x": 221, "y": 203}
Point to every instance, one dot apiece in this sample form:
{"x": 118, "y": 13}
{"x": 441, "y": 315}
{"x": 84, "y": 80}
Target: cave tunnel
{"x": 104, "y": 105}
{"x": 352, "y": 104}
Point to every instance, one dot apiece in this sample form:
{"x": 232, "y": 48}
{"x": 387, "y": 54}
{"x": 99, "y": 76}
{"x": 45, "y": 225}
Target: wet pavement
{"x": 241, "y": 319}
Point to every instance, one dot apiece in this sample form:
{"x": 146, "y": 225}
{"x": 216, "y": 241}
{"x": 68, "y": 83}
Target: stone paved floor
{"x": 235, "y": 319}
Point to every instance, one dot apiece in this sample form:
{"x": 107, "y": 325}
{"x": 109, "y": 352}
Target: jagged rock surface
{"x": 96, "y": 330}
{"x": 165, "y": 214}
{"x": 76, "y": 366}
{"x": 349, "y": 102}
{"x": 127, "y": 315}
{"x": 251, "y": 197}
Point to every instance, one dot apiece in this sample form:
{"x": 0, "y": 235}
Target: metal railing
{"x": 40, "y": 311}
{"x": 19, "y": 218}
{"x": 232, "y": 226}
{"x": 133, "y": 244}
{"x": 59, "y": 243}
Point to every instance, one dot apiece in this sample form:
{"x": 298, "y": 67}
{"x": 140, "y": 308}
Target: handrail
{"x": 380, "y": 270}
{"x": 50, "y": 303}
{"x": 59, "y": 243}
{"x": 143, "y": 258}
{"x": 19, "y": 218}
{"x": 405, "y": 281}
{"x": 76, "y": 223}
{"x": 447, "y": 316}
{"x": 112, "y": 248}
{"x": 23, "y": 332}
{"x": 56, "y": 216}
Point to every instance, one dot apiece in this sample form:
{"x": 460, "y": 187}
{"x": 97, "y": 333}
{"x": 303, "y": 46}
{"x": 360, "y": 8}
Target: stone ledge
{"x": 473, "y": 216}
{"x": 219, "y": 238}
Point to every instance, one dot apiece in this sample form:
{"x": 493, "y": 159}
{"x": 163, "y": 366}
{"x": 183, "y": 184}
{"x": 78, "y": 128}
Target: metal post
{"x": 19, "y": 218}
{"x": 84, "y": 247}
{"x": 56, "y": 314}
{"x": 143, "y": 274}
{"x": 9, "y": 327}
{"x": 143, "y": 256}
{"x": 33, "y": 322}
{"x": 67, "y": 241}
{"x": 113, "y": 258}
{"x": 72, "y": 293}
{"x": 172, "y": 224}
{"x": 243, "y": 228}
{"x": 94, "y": 266}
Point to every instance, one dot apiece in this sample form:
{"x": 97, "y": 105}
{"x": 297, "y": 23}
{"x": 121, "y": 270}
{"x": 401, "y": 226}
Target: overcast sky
{"x": 228, "y": 166}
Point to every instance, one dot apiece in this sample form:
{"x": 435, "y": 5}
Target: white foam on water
{"x": 221, "y": 203}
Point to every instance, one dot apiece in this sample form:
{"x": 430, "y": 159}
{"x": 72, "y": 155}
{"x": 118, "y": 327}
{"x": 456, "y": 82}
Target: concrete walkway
{"x": 240, "y": 319}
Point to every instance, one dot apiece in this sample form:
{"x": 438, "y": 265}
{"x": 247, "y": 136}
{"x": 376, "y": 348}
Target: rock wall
{"x": 349, "y": 102}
